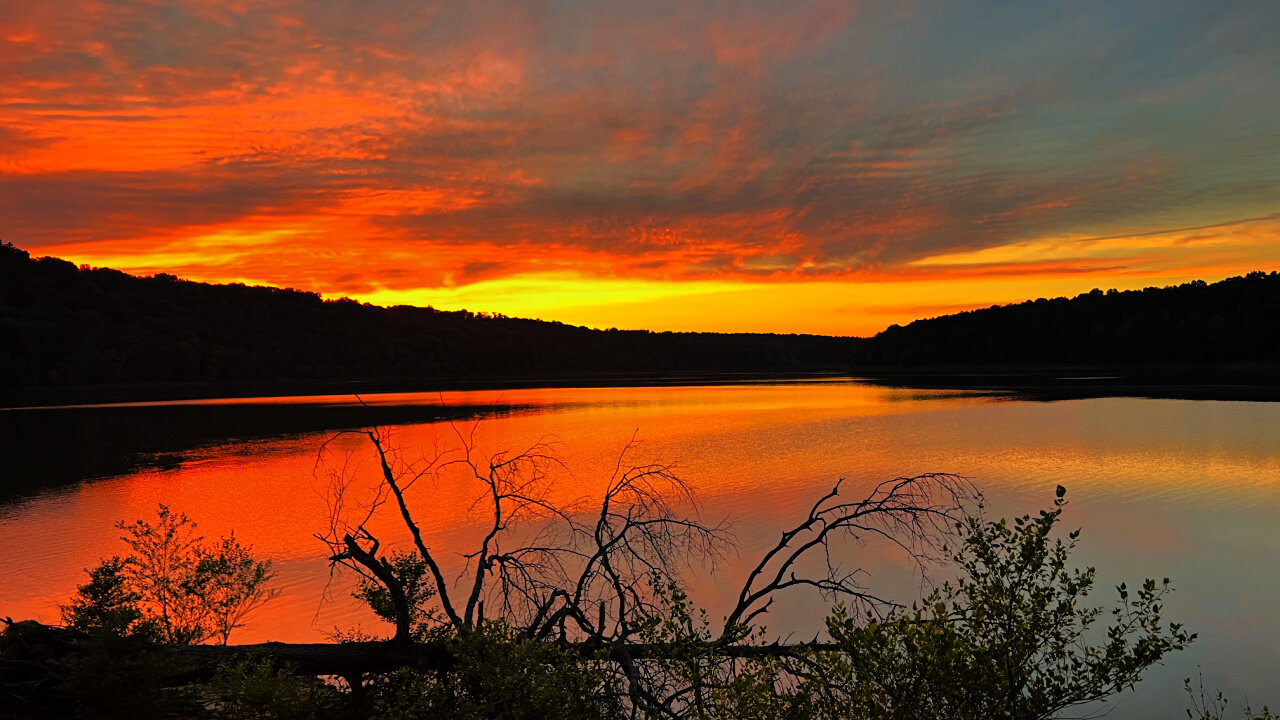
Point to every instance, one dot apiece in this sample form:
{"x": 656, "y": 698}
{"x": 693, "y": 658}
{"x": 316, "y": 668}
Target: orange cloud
{"x": 804, "y": 153}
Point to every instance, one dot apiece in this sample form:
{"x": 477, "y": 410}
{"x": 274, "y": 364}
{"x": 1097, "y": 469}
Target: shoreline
{"x": 53, "y": 397}
{"x": 1193, "y": 381}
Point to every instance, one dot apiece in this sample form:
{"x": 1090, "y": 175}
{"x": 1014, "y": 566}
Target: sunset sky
{"x": 773, "y": 166}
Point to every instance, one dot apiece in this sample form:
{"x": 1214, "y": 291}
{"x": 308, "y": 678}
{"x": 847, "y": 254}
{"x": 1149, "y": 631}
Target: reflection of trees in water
{"x": 67, "y": 445}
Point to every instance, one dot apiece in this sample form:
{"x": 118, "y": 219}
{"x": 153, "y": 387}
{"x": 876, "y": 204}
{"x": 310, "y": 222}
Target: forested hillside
{"x": 66, "y": 326}
{"x": 1236, "y": 320}
{"x": 63, "y": 326}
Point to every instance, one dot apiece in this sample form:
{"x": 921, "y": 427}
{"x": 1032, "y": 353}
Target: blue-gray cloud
{"x": 763, "y": 137}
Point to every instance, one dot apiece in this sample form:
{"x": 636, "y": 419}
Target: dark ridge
{"x": 1230, "y": 328}
{"x": 71, "y": 334}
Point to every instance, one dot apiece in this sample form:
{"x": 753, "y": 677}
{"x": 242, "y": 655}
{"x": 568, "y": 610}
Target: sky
{"x": 788, "y": 166}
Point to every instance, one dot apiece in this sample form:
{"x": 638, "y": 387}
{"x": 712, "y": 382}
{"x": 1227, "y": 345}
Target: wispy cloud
{"x": 402, "y": 149}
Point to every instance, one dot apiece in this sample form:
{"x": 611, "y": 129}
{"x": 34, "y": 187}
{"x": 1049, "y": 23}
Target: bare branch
{"x": 914, "y": 513}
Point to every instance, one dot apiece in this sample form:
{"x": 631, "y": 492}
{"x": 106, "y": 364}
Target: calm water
{"x": 1188, "y": 489}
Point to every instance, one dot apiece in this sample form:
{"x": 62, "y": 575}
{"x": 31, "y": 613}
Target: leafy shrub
{"x": 174, "y": 587}
{"x": 496, "y": 674}
{"x": 1010, "y": 639}
{"x": 182, "y": 588}
{"x": 117, "y": 669}
{"x": 411, "y": 570}
{"x": 258, "y": 690}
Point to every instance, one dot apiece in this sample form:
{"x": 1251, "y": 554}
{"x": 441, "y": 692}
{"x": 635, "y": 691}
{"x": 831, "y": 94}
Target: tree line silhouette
{"x": 68, "y": 326}
{"x": 62, "y": 325}
{"x": 1236, "y": 320}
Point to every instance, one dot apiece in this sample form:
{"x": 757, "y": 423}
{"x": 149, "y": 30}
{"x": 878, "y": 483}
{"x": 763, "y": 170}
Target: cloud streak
{"x": 401, "y": 149}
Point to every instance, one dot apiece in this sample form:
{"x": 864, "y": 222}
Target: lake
{"x": 1185, "y": 489}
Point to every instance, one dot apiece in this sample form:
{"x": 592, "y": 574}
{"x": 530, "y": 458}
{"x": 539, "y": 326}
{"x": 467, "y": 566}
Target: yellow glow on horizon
{"x": 1258, "y": 235}
{"x": 549, "y": 295}
{"x": 553, "y": 283}
{"x": 828, "y": 307}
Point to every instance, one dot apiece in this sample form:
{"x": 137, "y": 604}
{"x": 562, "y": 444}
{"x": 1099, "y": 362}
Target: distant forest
{"x": 65, "y": 326}
{"x": 1233, "y": 321}
{"x": 62, "y": 326}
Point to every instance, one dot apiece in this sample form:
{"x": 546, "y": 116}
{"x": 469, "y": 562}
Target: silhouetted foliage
{"x": 116, "y": 669}
{"x": 495, "y": 673}
{"x": 1231, "y": 321}
{"x": 174, "y": 586}
{"x": 255, "y": 689}
{"x": 1213, "y": 706}
{"x": 66, "y": 326}
{"x": 1009, "y": 639}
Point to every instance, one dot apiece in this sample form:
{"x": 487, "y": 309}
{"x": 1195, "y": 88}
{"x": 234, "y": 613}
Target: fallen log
{"x": 385, "y": 656}
{"x": 344, "y": 659}
{"x": 31, "y": 642}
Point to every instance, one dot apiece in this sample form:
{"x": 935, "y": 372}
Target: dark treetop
{"x": 1234, "y": 321}
{"x": 64, "y": 326}
{"x": 76, "y": 328}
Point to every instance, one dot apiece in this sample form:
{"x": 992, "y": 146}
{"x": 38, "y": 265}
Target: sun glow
{"x": 662, "y": 167}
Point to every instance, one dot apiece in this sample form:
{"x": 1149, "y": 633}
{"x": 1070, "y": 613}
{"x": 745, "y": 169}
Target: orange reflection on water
{"x": 758, "y": 454}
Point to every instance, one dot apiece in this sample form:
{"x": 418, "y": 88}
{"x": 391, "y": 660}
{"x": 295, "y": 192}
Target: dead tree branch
{"x": 914, "y": 513}
{"x": 594, "y": 581}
